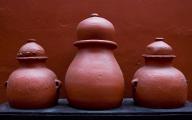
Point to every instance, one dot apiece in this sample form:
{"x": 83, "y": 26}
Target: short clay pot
{"x": 32, "y": 85}
{"x": 94, "y": 79}
{"x": 158, "y": 84}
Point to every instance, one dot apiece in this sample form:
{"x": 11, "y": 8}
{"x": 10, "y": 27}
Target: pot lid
{"x": 31, "y": 50}
{"x": 95, "y": 27}
{"x": 158, "y": 48}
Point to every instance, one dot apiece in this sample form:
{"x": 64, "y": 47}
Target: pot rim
{"x": 81, "y": 43}
{"x": 32, "y": 58}
{"x": 158, "y": 56}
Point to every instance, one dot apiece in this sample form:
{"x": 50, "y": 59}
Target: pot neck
{"x": 163, "y": 62}
{"x": 94, "y": 48}
{"x": 95, "y": 51}
{"x": 32, "y": 63}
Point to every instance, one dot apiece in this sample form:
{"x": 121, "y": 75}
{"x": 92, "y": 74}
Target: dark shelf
{"x": 126, "y": 111}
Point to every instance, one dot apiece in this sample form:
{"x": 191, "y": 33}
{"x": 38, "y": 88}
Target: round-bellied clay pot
{"x": 94, "y": 79}
{"x": 158, "y": 84}
{"x": 32, "y": 85}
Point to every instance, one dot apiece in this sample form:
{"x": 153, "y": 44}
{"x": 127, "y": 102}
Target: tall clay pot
{"x": 158, "y": 84}
{"x": 94, "y": 79}
{"x": 32, "y": 85}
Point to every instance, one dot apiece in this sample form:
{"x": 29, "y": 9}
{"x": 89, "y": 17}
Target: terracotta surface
{"x": 158, "y": 84}
{"x": 32, "y": 85}
{"x": 94, "y": 79}
{"x": 54, "y": 24}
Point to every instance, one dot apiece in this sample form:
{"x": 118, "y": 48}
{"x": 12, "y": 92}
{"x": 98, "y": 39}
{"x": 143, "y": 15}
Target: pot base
{"x": 95, "y": 106}
{"x": 160, "y": 105}
{"x": 32, "y": 106}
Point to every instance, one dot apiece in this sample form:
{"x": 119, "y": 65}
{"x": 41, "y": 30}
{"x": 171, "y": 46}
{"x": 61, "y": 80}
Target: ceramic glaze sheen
{"x": 94, "y": 79}
{"x": 32, "y": 85}
{"x": 158, "y": 84}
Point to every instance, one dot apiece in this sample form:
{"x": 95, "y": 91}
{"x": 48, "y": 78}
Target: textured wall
{"x": 53, "y": 23}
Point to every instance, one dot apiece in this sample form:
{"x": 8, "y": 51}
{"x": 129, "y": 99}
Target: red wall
{"x": 53, "y": 23}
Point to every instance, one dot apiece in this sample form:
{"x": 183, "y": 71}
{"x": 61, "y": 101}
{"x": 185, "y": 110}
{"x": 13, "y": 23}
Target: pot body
{"x": 159, "y": 87}
{"x": 94, "y": 80}
{"x": 32, "y": 87}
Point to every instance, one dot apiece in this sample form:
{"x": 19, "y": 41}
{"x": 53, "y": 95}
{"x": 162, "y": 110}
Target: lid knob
{"x": 159, "y": 39}
{"x": 94, "y": 15}
{"x": 31, "y": 40}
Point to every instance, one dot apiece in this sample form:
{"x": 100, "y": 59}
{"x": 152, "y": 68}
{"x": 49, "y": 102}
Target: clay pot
{"x": 32, "y": 85}
{"x": 94, "y": 79}
{"x": 158, "y": 84}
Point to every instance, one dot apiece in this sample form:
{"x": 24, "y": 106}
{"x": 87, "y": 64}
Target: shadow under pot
{"x": 32, "y": 85}
{"x": 94, "y": 79}
{"x": 158, "y": 84}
